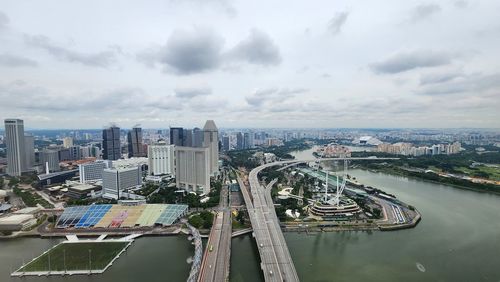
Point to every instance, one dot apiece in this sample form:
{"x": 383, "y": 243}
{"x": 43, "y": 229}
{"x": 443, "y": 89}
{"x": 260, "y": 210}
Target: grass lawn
{"x": 76, "y": 256}
{"x": 493, "y": 172}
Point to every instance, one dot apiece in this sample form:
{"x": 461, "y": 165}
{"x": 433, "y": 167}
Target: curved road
{"x": 276, "y": 262}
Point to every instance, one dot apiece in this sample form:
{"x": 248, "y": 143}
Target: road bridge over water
{"x": 276, "y": 262}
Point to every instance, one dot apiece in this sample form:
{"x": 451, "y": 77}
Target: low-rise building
{"x": 17, "y": 222}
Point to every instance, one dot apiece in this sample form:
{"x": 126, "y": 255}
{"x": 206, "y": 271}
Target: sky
{"x": 292, "y": 64}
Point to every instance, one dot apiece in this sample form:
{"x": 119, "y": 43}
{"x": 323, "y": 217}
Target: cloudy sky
{"x": 84, "y": 64}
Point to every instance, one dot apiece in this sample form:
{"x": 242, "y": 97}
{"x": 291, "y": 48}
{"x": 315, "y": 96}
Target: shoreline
{"x": 394, "y": 173}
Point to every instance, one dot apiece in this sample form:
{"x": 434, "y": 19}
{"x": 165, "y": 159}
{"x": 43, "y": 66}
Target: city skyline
{"x": 353, "y": 65}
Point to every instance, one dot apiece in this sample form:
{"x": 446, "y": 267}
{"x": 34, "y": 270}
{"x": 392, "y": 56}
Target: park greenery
{"x": 244, "y": 158}
{"x": 31, "y": 199}
{"x": 170, "y": 195}
{"x": 202, "y": 219}
{"x": 457, "y": 164}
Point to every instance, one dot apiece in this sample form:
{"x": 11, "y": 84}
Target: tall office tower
{"x": 67, "y": 142}
{"x": 134, "y": 138}
{"x": 192, "y": 171}
{"x": 50, "y": 160}
{"x": 187, "y": 138}
{"x": 225, "y": 143}
{"x": 90, "y": 172}
{"x": 248, "y": 140}
{"x": 176, "y": 136}
{"x": 29, "y": 145}
{"x": 239, "y": 141}
{"x": 211, "y": 140}
{"x": 161, "y": 159}
{"x": 197, "y": 137}
{"x": 16, "y": 150}
{"x": 111, "y": 143}
{"x": 116, "y": 180}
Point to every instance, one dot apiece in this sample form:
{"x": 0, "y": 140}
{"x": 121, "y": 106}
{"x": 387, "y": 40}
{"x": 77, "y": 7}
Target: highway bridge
{"x": 276, "y": 262}
{"x": 215, "y": 265}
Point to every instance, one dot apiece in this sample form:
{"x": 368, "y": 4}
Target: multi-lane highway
{"x": 215, "y": 265}
{"x": 276, "y": 262}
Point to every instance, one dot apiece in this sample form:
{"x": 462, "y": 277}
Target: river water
{"x": 148, "y": 259}
{"x": 458, "y": 239}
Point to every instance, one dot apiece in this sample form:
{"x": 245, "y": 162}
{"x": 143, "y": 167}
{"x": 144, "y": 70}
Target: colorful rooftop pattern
{"x": 120, "y": 216}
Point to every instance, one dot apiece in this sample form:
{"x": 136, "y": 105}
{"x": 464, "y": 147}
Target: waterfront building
{"x": 91, "y": 172}
{"x": 116, "y": 180}
{"x": 111, "y": 143}
{"x": 192, "y": 172}
{"x": 16, "y": 150}
{"x": 161, "y": 159}
{"x": 176, "y": 136}
{"x": 211, "y": 140}
{"x": 134, "y": 138}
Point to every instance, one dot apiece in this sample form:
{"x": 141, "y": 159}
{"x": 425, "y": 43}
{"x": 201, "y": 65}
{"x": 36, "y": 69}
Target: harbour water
{"x": 458, "y": 239}
{"x": 147, "y": 259}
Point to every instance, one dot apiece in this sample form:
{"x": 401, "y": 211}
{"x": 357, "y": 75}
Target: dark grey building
{"x": 239, "y": 141}
{"x": 134, "y": 138}
{"x": 187, "y": 138}
{"x": 225, "y": 143}
{"x": 197, "y": 137}
{"x": 176, "y": 136}
{"x": 111, "y": 143}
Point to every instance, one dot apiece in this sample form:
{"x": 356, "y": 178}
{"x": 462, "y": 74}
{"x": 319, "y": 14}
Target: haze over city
{"x": 251, "y": 64}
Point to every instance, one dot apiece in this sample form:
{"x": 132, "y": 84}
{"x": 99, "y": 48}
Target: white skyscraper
{"x": 161, "y": 159}
{"x": 16, "y": 150}
{"x": 211, "y": 141}
{"x": 192, "y": 171}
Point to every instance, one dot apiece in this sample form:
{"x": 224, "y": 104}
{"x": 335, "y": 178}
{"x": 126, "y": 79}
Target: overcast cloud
{"x": 85, "y": 64}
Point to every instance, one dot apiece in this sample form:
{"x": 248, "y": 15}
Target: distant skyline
{"x": 250, "y": 64}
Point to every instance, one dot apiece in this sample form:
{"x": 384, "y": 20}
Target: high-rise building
{"x": 248, "y": 140}
{"x": 134, "y": 138}
{"x": 239, "y": 141}
{"x": 211, "y": 140}
{"x": 176, "y": 136}
{"x": 197, "y": 137}
{"x": 16, "y": 150}
{"x": 187, "y": 138}
{"x": 67, "y": 142}
{"x": 90, "y": 172}
{"x": 111, "y": 143}
{"x": 225, "y": 143}
{"x": 161, "y": 159}
{"x": 29, "y": 145}
{"x": 50, "y": 159}
{"x": 192, "y": 171}
{"x": 116, "y": 180}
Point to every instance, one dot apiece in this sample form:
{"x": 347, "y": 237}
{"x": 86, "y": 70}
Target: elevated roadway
{"x": 215, "y": 265}
{"x": 276, "y": 262}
